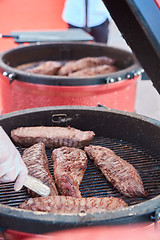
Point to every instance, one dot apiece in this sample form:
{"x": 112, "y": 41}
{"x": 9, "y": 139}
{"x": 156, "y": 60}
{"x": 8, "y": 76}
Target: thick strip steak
{"x": 121, "y": 174}
{"x": 46, "y": 68}
{"x": 83, "y": 63}
{"x": 52, "y": 136}
{"x": 102, "y": 69}
{"x": 36, "y": 161}
{"x": 69, "y": 205}
{"x": 69, "y": 167}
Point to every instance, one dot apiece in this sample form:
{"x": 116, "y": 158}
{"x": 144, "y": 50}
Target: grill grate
{"x": 94, "y": 183}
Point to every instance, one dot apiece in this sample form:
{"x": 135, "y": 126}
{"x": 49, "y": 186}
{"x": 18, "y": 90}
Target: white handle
{"x": 37, "y": 186}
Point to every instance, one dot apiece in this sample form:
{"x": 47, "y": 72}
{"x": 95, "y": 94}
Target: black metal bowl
{"x": 135, "y": 138}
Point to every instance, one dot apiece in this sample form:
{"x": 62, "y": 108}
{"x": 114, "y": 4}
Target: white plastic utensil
{"x": 37, "y": 186}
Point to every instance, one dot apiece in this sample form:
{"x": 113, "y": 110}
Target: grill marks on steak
{"x": 36, "y": 161}
{"x": 52, "y": 136}
{"x": 69, "y": 167}
{"x": 69, "y": 205}
{"x": 121, "y": 174}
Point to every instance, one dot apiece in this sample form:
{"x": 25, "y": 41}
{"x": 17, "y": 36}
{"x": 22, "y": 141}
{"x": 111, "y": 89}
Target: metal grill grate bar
{"x": 94, "y": 183}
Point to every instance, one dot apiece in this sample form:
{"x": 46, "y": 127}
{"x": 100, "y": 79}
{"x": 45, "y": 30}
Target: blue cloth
{"x": 74, "y": 13}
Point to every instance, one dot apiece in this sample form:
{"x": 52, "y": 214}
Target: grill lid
{"x": 138, "y": 21}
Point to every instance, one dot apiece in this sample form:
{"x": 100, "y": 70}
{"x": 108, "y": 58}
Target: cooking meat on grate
{"x": 46, "y": 68}
{"x": 52, "y": 136}
{"x": 36, "y": 161}
{"x": 102, "y": 69}
{"x": 121, "y": 174}
{"x": 70, "y": 205}
{"x": 87, "y": 62}
{"x": 69, "y": 167}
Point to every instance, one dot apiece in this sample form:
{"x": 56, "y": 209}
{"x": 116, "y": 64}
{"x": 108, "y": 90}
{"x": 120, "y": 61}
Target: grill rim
{"x": 127, "y": 73}
{"x": 18, "y": 219}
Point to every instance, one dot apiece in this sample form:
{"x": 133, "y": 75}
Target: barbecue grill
{"x": 133, "y": 137}
{"x": 126, "y": 134}
{"x": 22, "y": 90}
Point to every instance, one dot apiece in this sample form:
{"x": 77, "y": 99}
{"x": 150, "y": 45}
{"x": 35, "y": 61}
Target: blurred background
{"x": 26, "y": 15}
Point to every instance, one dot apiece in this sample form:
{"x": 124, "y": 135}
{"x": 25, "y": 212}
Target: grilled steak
{"x": 87, "y": 62}
{"x": 36, "y": 161}
{"x": 69, "y": 167}
{"x": 69, "y": 205}
{"x": 46, "y": 68}
{"x": 121, "y": 174}
{"x": 102, "y": 69}
{"x": 66, "y": 69}
{"x": 52, "y": 136}
{"x": 27, "y": 66}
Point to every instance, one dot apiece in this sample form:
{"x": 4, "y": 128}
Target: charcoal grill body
{"x": 109, "y": 126}
{"x": 22, "y": 90}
